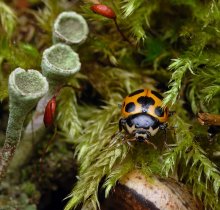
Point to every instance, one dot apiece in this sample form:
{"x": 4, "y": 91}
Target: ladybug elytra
{"x": 142, "y": 114}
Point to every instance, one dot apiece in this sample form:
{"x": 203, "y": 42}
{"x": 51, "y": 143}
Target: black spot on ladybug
{"x": 145, "y": 102}
{"x": 130, "y": 107}
{"x": 159, "y": 111}
{"x": 136, "y": 92}
{"x": 157, "y": 94}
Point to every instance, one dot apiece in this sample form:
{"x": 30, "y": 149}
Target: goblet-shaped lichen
{"x": 70, "y": 28}
{"x": 59, "y": 63}
{"x": 25, "y": 90}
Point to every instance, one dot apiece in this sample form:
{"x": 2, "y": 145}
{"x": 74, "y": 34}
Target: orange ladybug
{"x": 142, "y": 114}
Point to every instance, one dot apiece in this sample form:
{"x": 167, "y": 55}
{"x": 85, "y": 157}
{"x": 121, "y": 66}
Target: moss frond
{"x": 129, "y": 7}
{"x": 117, "y": 83}
{"x": 116, "y": 173}
{"x": 139, "y": 23}
{"x": 4, "y": 89}
{"x": 191, "y": 3}
{"x": 48, "y": 14}
{"x": 180, "y": 66}
{"x": 210, "y": 92}
{"x": 190, "y": 162}
{"x": 24, "y": 55}
{"x": 96, "y": 135}
{"x": 67, "y": 117}
{"x": 148, "y": 159}
{"x": 98, "y": 153}
{"x": 8, "y": 19}
{"x": 203, "y": 88}
{"x": 102, "y": 163}
{"x": 211, "y": 10}
{"x": 137, "y": 14}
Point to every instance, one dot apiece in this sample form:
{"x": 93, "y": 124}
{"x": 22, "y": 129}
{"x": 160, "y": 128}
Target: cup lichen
{"x": 25, "y": 90}
{"x": 59, "y": 62}
{"x": 70, "y": 28}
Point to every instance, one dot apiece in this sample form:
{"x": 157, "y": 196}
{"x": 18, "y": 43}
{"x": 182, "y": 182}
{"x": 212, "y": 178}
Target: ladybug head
{"x": 141, "y": 135}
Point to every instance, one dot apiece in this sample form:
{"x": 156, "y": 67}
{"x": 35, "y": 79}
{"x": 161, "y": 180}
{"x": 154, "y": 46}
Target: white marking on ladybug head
{"x": 141, "y": 136}
{"x": 153, "y": 131}
{"x": 141, "y": 132}
{"x": 131, "y": 129}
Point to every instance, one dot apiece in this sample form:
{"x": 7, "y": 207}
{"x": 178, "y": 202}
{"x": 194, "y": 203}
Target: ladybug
{"x": 142, "y": 115}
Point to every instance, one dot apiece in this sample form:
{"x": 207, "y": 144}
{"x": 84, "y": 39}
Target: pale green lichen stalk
{"x": 25, "y": 90}
{"x": 70, "y": 28}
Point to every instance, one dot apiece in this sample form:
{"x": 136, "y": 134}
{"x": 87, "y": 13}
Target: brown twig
{"x": 121, "y": 33}
{"x": 209, "y": 119}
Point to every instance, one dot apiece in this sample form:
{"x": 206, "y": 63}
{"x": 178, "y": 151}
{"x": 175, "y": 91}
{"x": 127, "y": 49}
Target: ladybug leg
{"x": 163, "y": 127}
{"x": 148, "y": 142}
{"x": 129, "y": 141}
{"x": 115, "y": 134}
{"x": 121, "y": 124}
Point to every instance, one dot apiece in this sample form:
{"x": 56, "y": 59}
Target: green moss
{"x": 178, "y": 47}
{"x": 8, "y": 19}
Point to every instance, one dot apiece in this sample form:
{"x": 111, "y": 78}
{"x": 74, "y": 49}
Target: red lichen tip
{"x": 103, "y": 10}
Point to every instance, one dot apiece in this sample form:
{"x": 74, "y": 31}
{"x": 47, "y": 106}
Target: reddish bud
{"x": 103, "y": 10}
{"x": 50, "y": 112}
